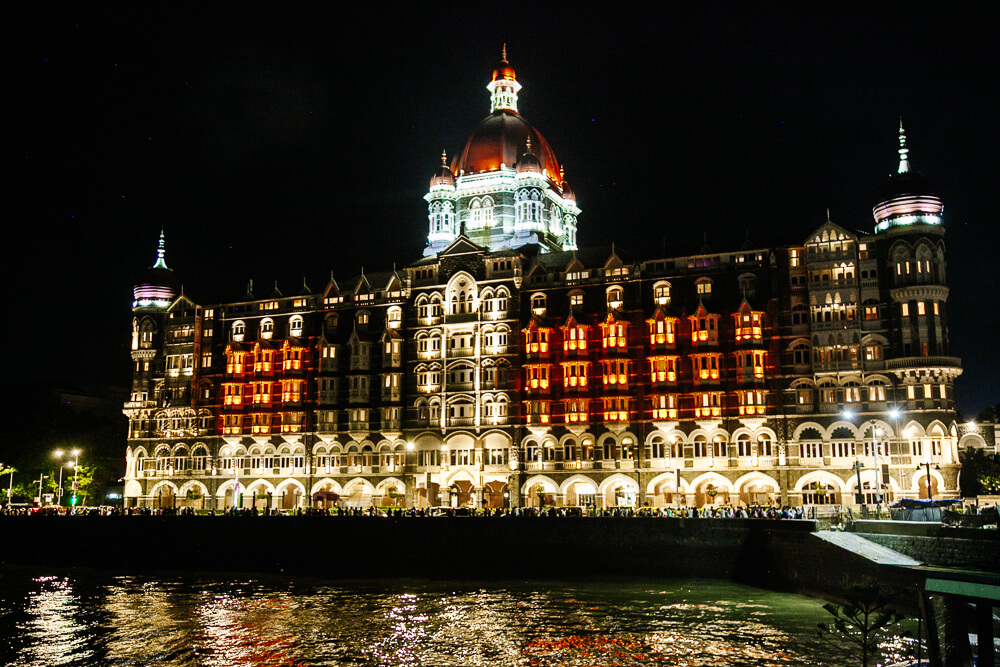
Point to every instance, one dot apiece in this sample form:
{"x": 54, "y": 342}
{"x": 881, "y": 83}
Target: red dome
{"x": 504, "y": 71}
{"x": 502, "y": 137}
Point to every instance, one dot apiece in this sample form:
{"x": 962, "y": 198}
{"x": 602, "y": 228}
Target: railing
{"x": 922, "y": 362}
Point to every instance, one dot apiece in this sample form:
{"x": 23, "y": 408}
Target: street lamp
{"x": 10, "y": 488}
{"x": 62, "y": 464}
{"x": 41, "y": 478}
{"x": 848, "y": 414}
{"x": 76, "y": 474}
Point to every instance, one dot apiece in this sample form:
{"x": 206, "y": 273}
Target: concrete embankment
{"x": 782, "y": 554}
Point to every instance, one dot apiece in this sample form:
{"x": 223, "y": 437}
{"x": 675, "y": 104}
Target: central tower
{"x": 505, "y": 188}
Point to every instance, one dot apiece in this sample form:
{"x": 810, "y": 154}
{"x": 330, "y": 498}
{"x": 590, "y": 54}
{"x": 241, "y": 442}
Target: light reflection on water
{"x": 92, "y": 618}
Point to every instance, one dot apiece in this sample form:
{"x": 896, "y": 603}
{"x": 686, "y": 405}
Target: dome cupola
{"x": 907, "y": 197}
{"x": 157, "y": 286}
{"x": 443, "y": 177}
{"x": 528, "y": 163}
{"x": 503, "y": 86}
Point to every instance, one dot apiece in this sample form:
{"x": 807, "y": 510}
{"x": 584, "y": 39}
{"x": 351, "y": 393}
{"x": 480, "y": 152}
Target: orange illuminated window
{"x": 576, "y": 410}
{"x": 614, "y": 334}
{"x": 537, "y": 340}
{"x": 538, "y": 377}
{"x": 751, "y": 402}
{"x": 663, "y": 369}
{"x": 574, "y": 374}
{"x": 662, "y": 332}
{"x": 707, "y": 404}
{"x": 616, "y": 409}
{"x": 575, "y": 338}
{"x": 664, "y": 406}
{"x": 748, "y": 326}
{"x": 615, "y": 372}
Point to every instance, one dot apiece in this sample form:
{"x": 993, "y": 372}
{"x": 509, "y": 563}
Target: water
{"x": 96, "y": 618}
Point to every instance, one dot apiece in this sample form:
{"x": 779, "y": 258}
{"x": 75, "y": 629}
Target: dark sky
{"x": 277, "y": 143}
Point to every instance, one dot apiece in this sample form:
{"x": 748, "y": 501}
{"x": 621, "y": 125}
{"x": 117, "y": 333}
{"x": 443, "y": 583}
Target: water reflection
{"x": 95, "y": 619}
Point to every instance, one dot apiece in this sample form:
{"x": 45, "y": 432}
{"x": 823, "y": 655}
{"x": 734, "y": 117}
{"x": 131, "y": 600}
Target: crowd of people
{"x": 713, "y": 512}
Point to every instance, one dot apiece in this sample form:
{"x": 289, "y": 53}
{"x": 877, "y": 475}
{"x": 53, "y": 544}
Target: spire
{"x": 828, "y": 214}
{"x": 904, "y": 163}
{"x": 161, "y": 263}
{"x": 528, "y": 145}
{"x": 444, "y": 157}
{"x": 504, "y": 86}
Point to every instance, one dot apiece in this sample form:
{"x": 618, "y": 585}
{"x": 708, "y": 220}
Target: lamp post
{"x": 76, "y": 473}
{"x": 861, "y": 496}
{"x": 10, "y": 487}
{"x": 41, "y": 478}
{"x": 62, "y": 464}
{"x": 847, "y": 414}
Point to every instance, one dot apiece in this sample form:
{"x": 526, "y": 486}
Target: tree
{"x": 980, "y": 473}
{"x": 864, "y": 622}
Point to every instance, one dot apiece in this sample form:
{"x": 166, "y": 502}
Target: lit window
{"x": 906, "y": 309}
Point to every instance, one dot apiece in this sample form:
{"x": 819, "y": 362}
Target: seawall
{"x": 781, "y": 554}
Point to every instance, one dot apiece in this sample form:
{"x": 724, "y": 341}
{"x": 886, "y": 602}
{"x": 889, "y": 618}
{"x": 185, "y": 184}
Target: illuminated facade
{"x": 508, "y": 367}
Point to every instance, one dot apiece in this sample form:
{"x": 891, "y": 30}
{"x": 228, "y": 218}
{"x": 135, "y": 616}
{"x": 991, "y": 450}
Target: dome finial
{"x": 503, "y": 53}
{"x": 161, "y": 263}
{"x": 904, "y": 163}
{"x": 828, "y": 214}
{"x": 444, "y": 156}
{"x": 528, "y": 144}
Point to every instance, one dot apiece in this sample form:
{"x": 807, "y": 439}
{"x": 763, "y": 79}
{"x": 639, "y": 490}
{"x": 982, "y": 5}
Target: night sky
{"x": 281, "y": 143}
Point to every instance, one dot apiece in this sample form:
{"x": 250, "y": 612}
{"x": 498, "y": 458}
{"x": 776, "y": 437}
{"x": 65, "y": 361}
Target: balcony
{"x": 923, "y": 362}
{"x": 135, "y": 405}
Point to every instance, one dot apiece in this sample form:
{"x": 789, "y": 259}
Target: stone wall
{"x": 934, "y": 544}
{"x": 785, "y": 555}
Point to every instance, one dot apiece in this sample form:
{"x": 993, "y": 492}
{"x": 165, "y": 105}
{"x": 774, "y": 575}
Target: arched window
{"x": 661, "y": 293}
{"x": 266, "y": 328}
{"x": 616, "y": 298}
{"x": 239, "y": 329}
{"x": 295, "y": 326}
{"x": 538, "y": 302}
{"x": 394, "y": 317}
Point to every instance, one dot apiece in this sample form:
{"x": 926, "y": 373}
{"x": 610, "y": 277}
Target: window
{"x": 538, "y": 304}
{"x": 661, "y": 294}
{"x": 267, "y": 328}
{"x": 615, "y": 298}
{"x": 704, "y": 287}
{"x": 394, "y": 317}
{"x": 665, "y": 406}
{"x": 295, "y": 326}
{"x": 576, "y": 299}
{"x": 239, "y": 329}
{"x": 906, "y": 309}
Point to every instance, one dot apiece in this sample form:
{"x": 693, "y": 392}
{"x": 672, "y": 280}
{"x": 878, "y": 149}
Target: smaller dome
{"x": 567, "y": 192}
{"x": 504, "y": 70}
{"x": 443, "y": 176}
{"x": 156, "y": 287}
{"x": 529, "y": 163}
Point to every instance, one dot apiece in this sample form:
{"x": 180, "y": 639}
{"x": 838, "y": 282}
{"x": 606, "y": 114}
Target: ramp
{"x": 867, "y": 549}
